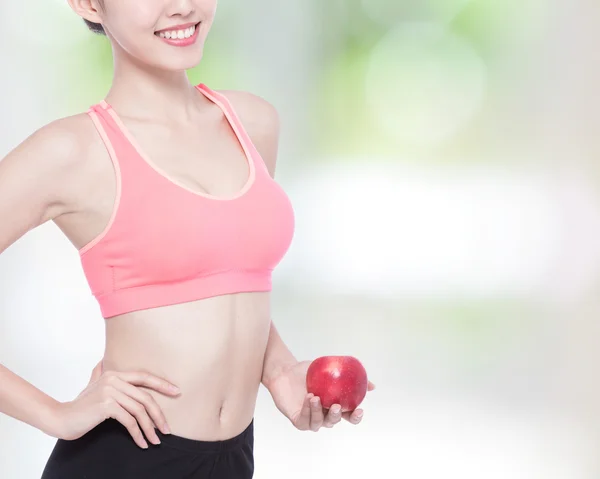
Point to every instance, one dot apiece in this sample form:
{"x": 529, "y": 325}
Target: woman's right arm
{"x": 38, "y": 180}
{"x": 32, "y": 178}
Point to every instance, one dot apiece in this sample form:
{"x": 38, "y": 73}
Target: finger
{"x": 140, "y": 378}
{"x": 370, "y": 386}
{"x": 138, "y": 411}
{"x": 316, "y": 413}
{"x": 353, "y": 417}
{"x": 333, "y": 416}
{"x": 305, "y": 412}
{"x": 117, "y": 412}
{"x": 153, "y": 409}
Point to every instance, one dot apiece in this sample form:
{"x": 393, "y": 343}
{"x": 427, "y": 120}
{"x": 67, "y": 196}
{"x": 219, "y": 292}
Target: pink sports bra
{"x": 166, "y": 244}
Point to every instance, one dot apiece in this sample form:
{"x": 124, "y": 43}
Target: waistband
{"x": 195, "y": 445}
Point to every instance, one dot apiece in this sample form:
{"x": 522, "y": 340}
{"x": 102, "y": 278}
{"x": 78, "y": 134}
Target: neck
{"x": 142, "y": 91}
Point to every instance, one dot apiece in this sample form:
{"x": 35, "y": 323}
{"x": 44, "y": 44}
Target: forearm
{"x": 21, "y": 400}
{"x": 277, "y": 356}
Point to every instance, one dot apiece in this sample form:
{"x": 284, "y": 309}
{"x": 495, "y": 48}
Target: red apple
{"x": 337, "y": 380}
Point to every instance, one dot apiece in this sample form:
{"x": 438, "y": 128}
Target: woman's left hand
{"x": 303, "y": 409}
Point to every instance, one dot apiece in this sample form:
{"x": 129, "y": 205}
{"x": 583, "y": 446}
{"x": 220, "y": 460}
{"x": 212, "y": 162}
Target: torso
{"x": 211, "y": 348}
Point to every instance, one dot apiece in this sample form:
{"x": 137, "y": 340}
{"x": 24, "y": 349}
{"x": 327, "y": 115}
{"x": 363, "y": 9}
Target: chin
{"x": 175, "y": 64}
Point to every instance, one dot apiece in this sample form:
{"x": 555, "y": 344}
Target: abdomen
{"x": 212, "y": 349}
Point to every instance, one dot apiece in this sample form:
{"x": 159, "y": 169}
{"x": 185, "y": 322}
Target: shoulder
{"x": 58, "y": 140}
{"x": 260, "y": 119}
{"x": 254, "y": 110}
{"x": 55, "y": 146}
{"x": 51, "y": 160}
{"x": 64, "y": 142}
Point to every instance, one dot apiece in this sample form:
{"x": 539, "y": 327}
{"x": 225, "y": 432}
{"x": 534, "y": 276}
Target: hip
{"x": 108, "y": 450}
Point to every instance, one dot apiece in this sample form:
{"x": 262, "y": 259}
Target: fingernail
{"x": 359, "y": 415}
{"x": 173, "y": 388}
{"x": 166, "y": 429}
{"x": 335, "y": 409}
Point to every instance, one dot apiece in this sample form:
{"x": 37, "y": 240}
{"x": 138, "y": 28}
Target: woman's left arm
{"x": 277, "y": 357}
{"x": 282, "y": 374}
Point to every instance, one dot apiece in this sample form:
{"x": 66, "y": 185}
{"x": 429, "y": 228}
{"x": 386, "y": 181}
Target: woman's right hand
{"x": 114, "y": 394}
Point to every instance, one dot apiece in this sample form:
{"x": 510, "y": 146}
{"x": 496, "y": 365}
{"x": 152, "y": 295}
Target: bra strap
{"x": 240, "y": 131}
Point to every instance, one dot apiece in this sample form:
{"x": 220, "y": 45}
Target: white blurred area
{"x": 467, "y": 232}
{"x": 462, "y": 267}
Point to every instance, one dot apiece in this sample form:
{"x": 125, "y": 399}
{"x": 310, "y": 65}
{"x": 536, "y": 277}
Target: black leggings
{"x": 109, "y": 452}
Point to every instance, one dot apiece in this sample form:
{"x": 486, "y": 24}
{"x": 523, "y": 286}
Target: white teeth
{"x": 179, "y": 34}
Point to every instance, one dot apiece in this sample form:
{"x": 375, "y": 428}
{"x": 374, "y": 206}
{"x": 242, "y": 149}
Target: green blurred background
{"x": 441, "y": 157}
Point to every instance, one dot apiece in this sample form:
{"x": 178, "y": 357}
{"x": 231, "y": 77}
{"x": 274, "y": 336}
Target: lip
{"x": 181, "y": 42}
{"x": 183, "y": 26}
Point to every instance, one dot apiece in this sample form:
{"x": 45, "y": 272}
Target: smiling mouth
{"x": 180, "y": 34}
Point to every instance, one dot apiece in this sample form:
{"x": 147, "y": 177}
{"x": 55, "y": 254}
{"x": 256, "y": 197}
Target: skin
{"x": 212, "y": 349}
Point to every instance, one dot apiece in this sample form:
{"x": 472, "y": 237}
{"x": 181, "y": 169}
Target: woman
{"x": 167, "y": 192}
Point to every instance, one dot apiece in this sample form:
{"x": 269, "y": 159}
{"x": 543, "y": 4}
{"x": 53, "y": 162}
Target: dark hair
{"x": 95, "y": 27}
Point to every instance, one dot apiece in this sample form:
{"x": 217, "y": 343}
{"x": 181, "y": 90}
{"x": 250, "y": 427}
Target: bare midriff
{"x": 212, "y": 349}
